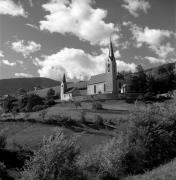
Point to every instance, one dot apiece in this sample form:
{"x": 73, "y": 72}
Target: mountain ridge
{"x": 11, "y": 86}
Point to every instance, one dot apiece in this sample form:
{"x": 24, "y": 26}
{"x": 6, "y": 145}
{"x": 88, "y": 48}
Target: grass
{"x": 164, "y": 172}
{"x": 113, "y": 109}
{"x": 31, "y": 134}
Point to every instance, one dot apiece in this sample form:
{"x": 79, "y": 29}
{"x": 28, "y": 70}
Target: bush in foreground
{"x": 149, "y": 140}
{"x": 152, "y": 138}
{"x": 105, "y": 161}
{"x": 54, "y": 160}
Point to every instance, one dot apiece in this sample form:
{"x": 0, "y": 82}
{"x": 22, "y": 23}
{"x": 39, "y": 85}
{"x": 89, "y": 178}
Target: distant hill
{"x": 10, "y": 86}
{"x": 161, "y": 70}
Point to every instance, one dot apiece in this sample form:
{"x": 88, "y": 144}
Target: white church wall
{"x": 95, "y": 89}
{"x": 66, "y": 97}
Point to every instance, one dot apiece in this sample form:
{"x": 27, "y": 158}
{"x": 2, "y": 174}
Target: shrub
{"x": 54, "y": 160}
{"x": 151, "y": 133}
{"x": 62, "y": 121}
{"x": 14, "y": 111}
{"x": 83, "y": 117}
{"x": 97, "y": 106}
{"x": 77, "y": 104}
{"x": 3, "y": 172}
{"x": 32, "y": 101}
{"x": 38, "y": 108}
{"x": 149, "y": 97}
{"x": 50, "y": 94}
{"x": 57, "y": 96}
{"x": 8, "y": 105}
{"x": 99, "y": 121}
{"x": 50, "y": 102}
{"x": 3, "y": 138}
{"x": 129, "y": 100}
{"x": 104, "y": 161}
{"x": 42, "y": 114}
{"x": 22, "y": 102}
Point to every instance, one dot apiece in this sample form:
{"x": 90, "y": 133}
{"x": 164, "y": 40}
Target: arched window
{"x": 108, "y": 67}
{"x": 94, "y": 89}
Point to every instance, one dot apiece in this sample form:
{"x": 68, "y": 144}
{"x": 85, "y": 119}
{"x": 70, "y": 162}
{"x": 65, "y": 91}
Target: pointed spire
{"x": 64, "y": 79}
{"x": 111, "y": 51}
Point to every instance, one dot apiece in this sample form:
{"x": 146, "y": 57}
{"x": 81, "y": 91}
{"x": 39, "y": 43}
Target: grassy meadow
{"x": 31, "y": 134}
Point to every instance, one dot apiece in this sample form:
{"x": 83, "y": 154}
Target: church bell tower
{"x": 63, "y": 86}
{"x": 111, "y": 71}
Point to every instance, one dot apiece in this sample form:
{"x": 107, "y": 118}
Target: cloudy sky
{"x": 49, "y": 37}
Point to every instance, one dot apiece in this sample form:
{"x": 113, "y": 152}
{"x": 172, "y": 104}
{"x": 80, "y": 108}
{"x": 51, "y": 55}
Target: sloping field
{"x": 165, "y": 172}
{"x": 112, "y": 110}
{"x": 31, "y": 134}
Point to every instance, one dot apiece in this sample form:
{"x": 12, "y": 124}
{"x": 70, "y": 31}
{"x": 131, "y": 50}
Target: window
{"x": 108, "y": 67}
{"x": 104, "y": 87}
{"x": 94, "y": 89}
{"x": 120, "y": 84}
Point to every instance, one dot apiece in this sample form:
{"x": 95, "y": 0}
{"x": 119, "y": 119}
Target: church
{"x": 109, "y": 82}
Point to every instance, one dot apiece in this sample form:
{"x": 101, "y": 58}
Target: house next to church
{"x": 110, "y": 82}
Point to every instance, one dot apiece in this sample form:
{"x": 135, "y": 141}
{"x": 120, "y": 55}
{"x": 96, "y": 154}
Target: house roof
{"x": 97, "y": 79}
{"x": 78, "y": 85}
{"x": 70, "y": 90}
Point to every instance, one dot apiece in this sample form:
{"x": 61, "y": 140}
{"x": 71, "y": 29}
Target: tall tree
{"x": 138, "y": 81}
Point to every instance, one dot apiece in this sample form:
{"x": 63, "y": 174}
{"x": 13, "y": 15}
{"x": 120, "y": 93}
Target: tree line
{"x": 156, "y": 81}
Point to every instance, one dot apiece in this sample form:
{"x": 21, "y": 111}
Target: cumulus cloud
{"x": 76, "y": 64}
{"x": 156, "y": 39}
{"x": 164, "y": 51}
{"x": 134, "y": 6}
{"x": 1, "y": 54}
{"x": 9, "y": 7}
{"x": 79, "y": 18}
{"x": 8, "y": 63}
{"x": 23, "y": 75}
{"x": 155, "y": 60}
{"x": 149, "y": 36}
{"x": 123, "y": 66}
{"x": 105, "y": 51}
{"x": 25, "y": 48}
{"x": 126, "y": 23}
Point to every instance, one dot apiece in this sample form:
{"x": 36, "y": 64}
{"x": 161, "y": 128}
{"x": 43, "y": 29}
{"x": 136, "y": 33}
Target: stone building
{"x": 108, "y": 82}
